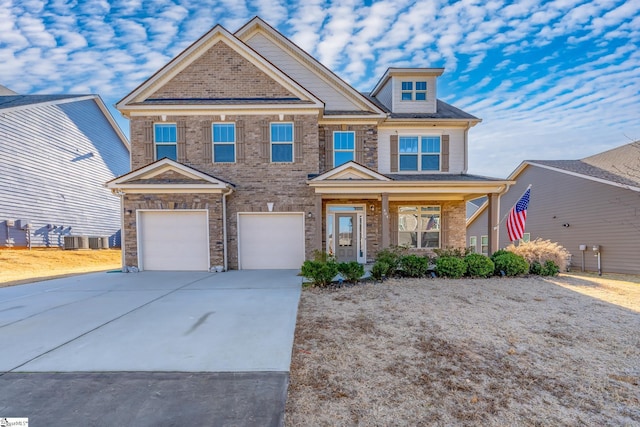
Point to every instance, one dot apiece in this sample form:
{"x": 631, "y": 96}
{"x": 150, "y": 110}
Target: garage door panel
{"x": 174, "y": 240}
{"x": 271, "y": 241}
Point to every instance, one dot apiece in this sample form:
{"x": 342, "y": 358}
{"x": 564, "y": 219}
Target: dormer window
{"x": 414, "y": 91}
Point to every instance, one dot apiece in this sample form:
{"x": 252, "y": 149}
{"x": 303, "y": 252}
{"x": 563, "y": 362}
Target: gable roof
{"x": 190, "y": 178}
{"x": 257, "y": 25}
{"x": 19, "y": 102}
{"x": 350, "y": 171}
{"x": 139, "y": 95}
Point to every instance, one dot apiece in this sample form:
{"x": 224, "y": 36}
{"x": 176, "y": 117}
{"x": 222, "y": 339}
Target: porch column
{"x": 493, "y": 210}
{"x": 319, "y": 220}
{"x": 384, "y": 218}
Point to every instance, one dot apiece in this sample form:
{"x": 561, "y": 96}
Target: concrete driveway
{"x": 152, "y": 348}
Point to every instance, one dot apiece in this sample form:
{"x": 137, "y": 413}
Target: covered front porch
{"x": 364, "y": 212}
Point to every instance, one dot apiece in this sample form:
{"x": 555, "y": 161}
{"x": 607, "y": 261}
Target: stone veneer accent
{"x": 221, "y": 73}
{"x": 211, "y": 202}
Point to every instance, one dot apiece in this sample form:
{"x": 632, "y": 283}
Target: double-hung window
{"x": 165, "y": 140}
{"x": 224, "y": 142}
{"x": 343, "y": 147}
{"x": 414, "y": 91}
{"x": 484, "y": 245}
{"x": 419, "y": 153}
{"x": 282, "y": 142}
{"x": 419, "y": 226}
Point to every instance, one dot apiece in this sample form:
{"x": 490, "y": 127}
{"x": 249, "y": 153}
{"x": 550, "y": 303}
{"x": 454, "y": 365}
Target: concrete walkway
{"x": 237, "y": 326}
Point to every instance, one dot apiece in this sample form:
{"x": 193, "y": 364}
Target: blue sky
{"x": 551, "y": 79}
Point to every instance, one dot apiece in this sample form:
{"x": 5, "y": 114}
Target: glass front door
{"x": 346, "y": 237}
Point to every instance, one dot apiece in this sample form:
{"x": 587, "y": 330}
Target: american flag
{"x": 517, "y": 217}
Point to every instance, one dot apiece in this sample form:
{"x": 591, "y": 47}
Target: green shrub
{"x": 379, "y": 270}
{"x": 510, "y": 264}
{"x": 479, "y": 265}
{"x": 453, "y": 252}
{"x": 542, "y": 251}
{"x": 321, "y": 270}
{"x": 450, "y": 266}
{"x": 351, "y": 271}
{"x": 391, "y": 257}
{"x": 414, "y": 265}
{"x": 550, "y": 269}
{"x": 497, "y": 254}
{"x": 535, "y": 268}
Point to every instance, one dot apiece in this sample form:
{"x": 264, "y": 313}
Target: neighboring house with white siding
{"x": 248, "y": 153}
{"x": 56, "y": 153}
{"x": 578, "y": 203}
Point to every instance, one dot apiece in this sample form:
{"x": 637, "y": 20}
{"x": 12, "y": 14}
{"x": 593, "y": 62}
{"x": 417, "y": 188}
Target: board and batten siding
{"x": 333, "y": 98}
{"x": 597, "y": 214}
{"x": 456, "y": 146}
{"x": 54, "y": 161}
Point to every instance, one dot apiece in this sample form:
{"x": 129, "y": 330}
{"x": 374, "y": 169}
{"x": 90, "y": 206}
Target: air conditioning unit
{"x": 95, "y": 242}
{"x": 71, "y": 242}
{"x": 76, "y": 242}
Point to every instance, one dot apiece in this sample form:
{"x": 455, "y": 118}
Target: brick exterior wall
{"x": 370, "y": 146}
{"x": 256, "y": 182}
{"x": 221, "y": 73}
{"x": 211, "y": 202}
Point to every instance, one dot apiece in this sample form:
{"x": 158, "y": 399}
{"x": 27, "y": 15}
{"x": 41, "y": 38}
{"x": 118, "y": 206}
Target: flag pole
{"x": 507, "y": 214}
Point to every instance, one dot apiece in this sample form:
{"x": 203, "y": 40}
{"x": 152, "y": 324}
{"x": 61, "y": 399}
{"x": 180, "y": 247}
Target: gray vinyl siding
{"x": 54, "y": 160}
{"x": 597, "y": 214}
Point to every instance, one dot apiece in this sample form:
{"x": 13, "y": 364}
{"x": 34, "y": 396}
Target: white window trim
{"x": 418, "y": 240}
{"x": 213, "y": 143}
{"x": 481, "y": 251}
{"x": 156, "y": 143}
{"x": 419, "y": 153}
{"x": 361, "y": 220}
{"x": 292, "y": 143}
{"x": 473, "y": 245}
{"x": 353, "y": 150}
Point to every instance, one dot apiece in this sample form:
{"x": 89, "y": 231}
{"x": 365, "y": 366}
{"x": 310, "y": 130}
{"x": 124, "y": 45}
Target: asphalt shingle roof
{"x": 583, "y": 168}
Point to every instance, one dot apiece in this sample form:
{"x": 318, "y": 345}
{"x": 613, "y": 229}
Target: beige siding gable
{"x": 321, "y": 86}
{"x": 221, "y": 72}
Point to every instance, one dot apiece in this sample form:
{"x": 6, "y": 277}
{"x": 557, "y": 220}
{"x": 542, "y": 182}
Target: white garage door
{"x": 173, "y": 240}
{"x": 270, "y": 240}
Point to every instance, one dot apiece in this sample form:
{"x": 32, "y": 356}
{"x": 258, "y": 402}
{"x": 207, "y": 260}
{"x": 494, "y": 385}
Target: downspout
{"x": 466, "y": 148}
{"x": 224, "y": 228}
{"x": 122, "y": 233}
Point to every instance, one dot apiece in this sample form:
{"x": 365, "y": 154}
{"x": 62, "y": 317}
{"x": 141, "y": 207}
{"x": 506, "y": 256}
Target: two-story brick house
{"x": 248, "y": 153}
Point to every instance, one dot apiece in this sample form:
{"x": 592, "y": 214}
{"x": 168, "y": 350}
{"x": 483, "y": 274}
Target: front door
{"x": 346, "y": 237}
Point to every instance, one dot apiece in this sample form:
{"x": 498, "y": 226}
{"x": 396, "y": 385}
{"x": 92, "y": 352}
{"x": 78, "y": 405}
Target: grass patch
{"x": 18, "y": 266}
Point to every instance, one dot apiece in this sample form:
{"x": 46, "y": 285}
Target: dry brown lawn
{"x": 18, "y": 266}
{"x": 492, "y": 352}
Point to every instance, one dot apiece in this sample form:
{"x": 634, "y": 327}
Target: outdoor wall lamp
{"x": 372, "y": 208}
{"x": 566, "y": 224}
{"x": 270, "y": 206}
{"x": 309, "y": 215}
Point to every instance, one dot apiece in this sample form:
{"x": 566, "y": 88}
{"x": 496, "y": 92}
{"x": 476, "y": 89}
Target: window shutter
{"x": 207, "y": 151}
{"x": 298, "y": 137}
{"x": 328, "y": 148}
{"x": 148, "y": 141}
{"x": 394, "y": 153}
{"x": 445, "y": 153}
{"x": 359, "y": 157}
{"x": 264, "y": 144}
{"x": 444, "y": 235}
{"x": 182, "y": 140}
{"x": 394, "y": 227}
{"x": 240, "y": 156}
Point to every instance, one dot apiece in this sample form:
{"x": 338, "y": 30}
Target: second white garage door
{"x": 270, "y": 240}
{"x": 173, "y": 240}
